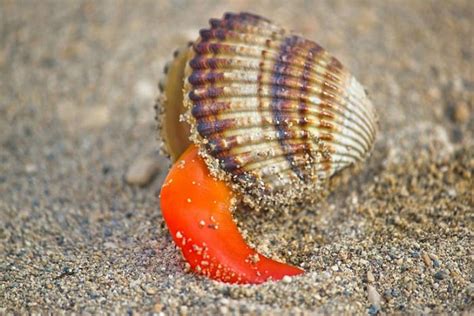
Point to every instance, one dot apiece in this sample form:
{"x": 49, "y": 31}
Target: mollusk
{"x": 268, "y": 115}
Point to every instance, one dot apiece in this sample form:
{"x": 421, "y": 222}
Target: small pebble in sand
{"x": 373, "y": 310}
{"x": 370, "y": 277}
{"x": 458, "y": 84}
{"x": 223, "y": 310}
{"x": 145, "y": 89}
{"x": 157, "y": 307}
{"x": 451, "y": 192}
{"x": 441, "y": 275}
{"x": 224, "y": 301}
{"x": 426, "y": 259}
{"x": 434, "y": 93}
{"x": 373, "y": 296}
{"x": 110, "y": 245}
{"x": 187, "y": 267}
{"x": 183, "y": 310}
{"x": 67, "y": 271}
{"x": 461, "y": 112}
{"x": 142, "y": 170}
{"x": 286, "y": 279}
{"x": 30, "y": 168}
{"x": 151, "y": 290}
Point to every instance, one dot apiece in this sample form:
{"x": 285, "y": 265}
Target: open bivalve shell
{"x": 273, "y": 113}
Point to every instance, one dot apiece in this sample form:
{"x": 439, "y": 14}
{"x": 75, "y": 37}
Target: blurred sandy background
{"x": 77, "y": 84}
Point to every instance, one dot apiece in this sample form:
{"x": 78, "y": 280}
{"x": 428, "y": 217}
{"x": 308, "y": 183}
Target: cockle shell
{"x": 273, "y": 113}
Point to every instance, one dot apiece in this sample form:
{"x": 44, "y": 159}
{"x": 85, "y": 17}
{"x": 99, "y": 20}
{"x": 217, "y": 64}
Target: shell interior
{"x": 174, "y": 132}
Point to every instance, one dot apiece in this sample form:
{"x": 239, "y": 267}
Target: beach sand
{"x": 77, "y": 87}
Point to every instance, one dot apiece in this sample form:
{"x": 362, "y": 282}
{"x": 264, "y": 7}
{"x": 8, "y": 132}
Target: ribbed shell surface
{"x": 273, "y": 111}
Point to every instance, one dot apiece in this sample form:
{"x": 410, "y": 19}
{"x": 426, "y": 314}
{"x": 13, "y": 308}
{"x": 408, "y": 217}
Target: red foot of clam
{"x": 197, "y": 210}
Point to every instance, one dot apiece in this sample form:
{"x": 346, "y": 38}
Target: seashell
{"x": 272, "y": 112}
{"x": 273, "y": 115}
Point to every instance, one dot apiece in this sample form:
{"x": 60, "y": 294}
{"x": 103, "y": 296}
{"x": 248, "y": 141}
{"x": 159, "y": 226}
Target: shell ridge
{"x": 219, "y": 152}
{"x": 217, "y": 94}
{"x": 318, "y": 167}
{"x": 265, "y": 140}
{"x": 232, "y": 124}
{"x": 356, "y": 108}
{"x": 247, "y": 52}
{"x": 294, "y": 152}
{"x": 222, "y": 107}
{"x": 345, "y": 105}
{"x": 302, "y": 108}
{"x": 277, "y": 104}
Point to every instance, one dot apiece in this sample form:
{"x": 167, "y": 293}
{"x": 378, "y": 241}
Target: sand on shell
{"x": 77, "y": 84}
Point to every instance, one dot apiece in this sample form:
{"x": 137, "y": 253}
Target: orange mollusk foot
{"x": 197, "y": 210}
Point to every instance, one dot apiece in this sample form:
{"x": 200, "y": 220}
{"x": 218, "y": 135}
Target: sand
{"x": 77, "y": 85}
